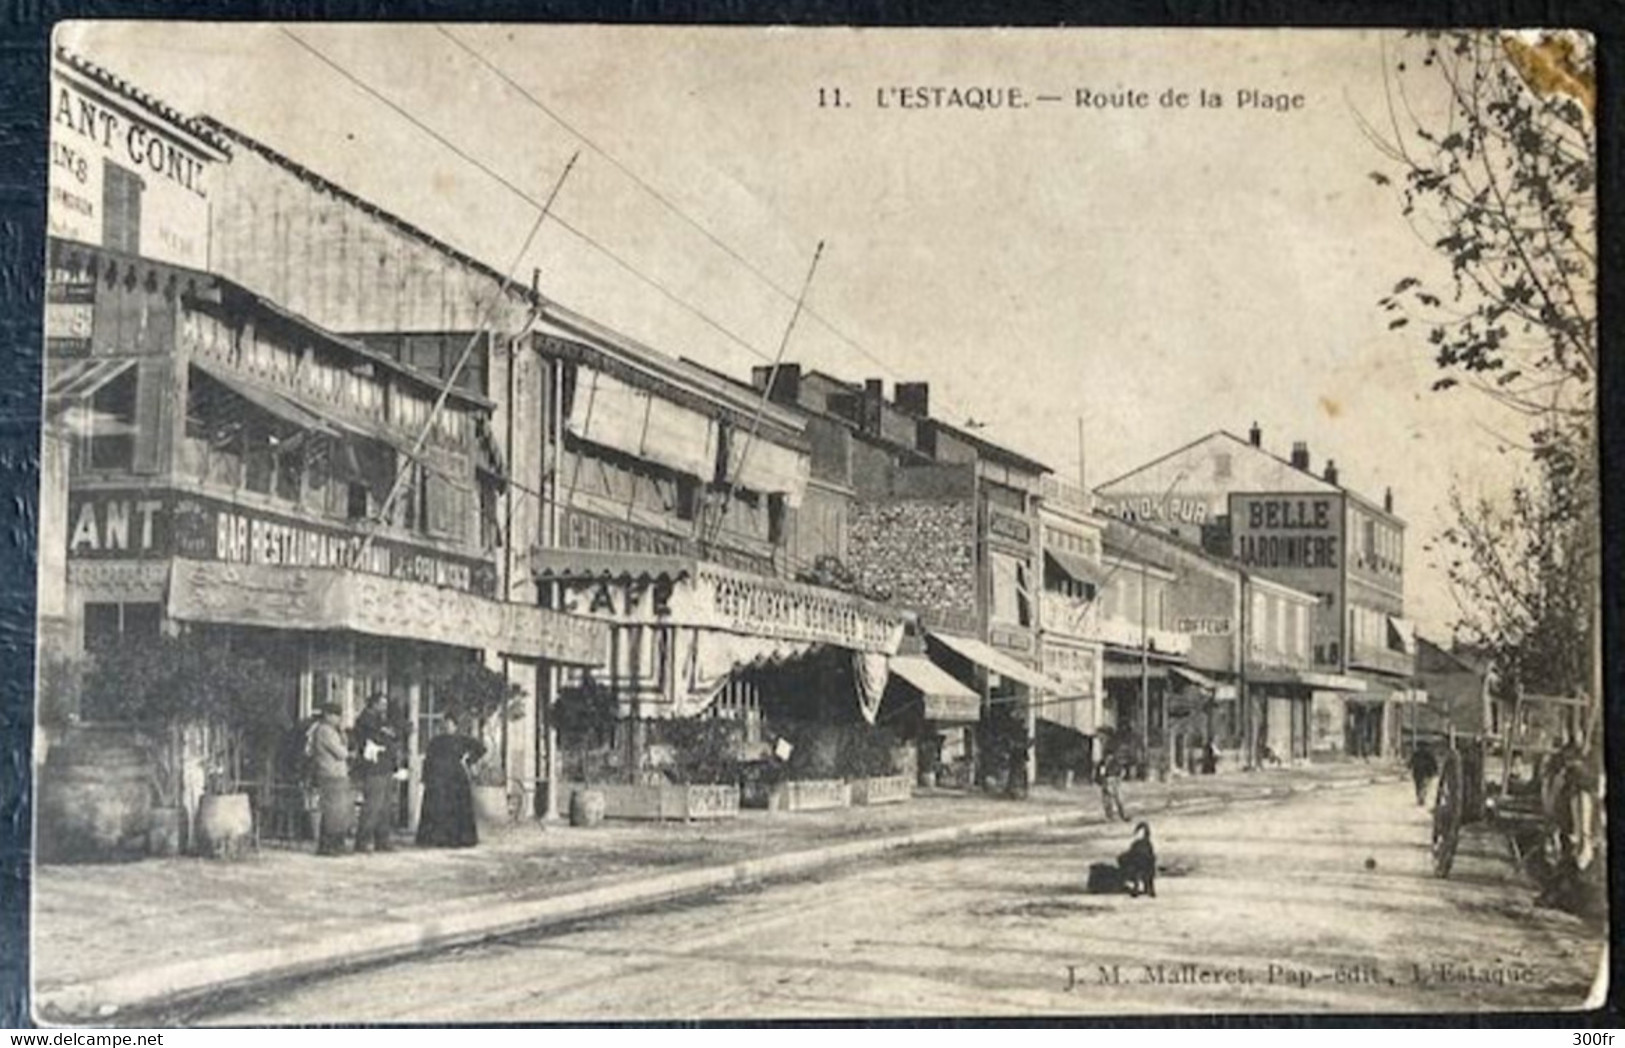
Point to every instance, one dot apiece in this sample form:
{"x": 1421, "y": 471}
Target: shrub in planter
{"x": 704, "y": 750}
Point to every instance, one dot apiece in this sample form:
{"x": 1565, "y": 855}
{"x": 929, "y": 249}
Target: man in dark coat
{"x": 378, "y": 761}
{"x": 1423, "y": 768}
{"x": 447, "y": 817}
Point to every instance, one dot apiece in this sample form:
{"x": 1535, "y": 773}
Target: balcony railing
{"x": 1081, "y": 619}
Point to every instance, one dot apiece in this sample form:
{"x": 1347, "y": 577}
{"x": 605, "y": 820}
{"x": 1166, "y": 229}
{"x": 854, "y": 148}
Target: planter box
{"x": 811, "y": 795}
{"x": 666, "y": 801}
{"x": 884, "y": 789}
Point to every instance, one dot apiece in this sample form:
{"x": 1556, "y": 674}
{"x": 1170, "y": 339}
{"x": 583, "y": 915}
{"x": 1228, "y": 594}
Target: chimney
{"x": 1255, "y": 436}
{"x": 1387, "y": 500}
{"x": 1300, "y": 455}
{"x": 1331, "y": 472}
{"x": 913, "y": 398}
{"x": 874, "y": 399}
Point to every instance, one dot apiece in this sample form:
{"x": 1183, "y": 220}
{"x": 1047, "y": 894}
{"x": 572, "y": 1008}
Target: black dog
{"x": 1134, "y": 872}
{"x": 1138, "y": 865}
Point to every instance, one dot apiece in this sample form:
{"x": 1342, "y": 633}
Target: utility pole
{"x": 1145, "y": 664}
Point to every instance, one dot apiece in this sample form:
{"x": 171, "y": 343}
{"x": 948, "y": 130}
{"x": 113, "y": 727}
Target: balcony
{"x": 1076, "y": 618}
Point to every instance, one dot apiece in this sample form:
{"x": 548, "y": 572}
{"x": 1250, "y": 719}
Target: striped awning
{"x": 1078, "y": 568}
{"x": 1005, "y": 666}
{"x": 945, "y": 698}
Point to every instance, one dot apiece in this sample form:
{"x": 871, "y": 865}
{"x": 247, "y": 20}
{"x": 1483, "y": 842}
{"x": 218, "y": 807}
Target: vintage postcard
{"x": 578, "y": 523}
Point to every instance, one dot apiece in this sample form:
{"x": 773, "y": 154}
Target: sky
{"x": 1158, "y": 271}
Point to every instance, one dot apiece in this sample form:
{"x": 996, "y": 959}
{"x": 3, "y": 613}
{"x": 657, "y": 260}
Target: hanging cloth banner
{"x": 870, "y": 670}
{"x": 633, "y": 421}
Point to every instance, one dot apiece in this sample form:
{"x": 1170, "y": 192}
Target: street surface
{"x": 1323, "y": 902}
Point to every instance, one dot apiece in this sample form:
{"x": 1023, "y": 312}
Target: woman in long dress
{"x": 447, "y": 817}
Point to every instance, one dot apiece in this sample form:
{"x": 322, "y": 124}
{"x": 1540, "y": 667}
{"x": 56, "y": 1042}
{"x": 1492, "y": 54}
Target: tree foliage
{"x": 1493, "y": 139}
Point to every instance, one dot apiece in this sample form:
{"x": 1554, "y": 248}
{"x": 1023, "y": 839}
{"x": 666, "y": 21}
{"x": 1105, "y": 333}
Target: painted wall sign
{"x": 1147, "y": 509}
{"x": 1009, "y": 526}
{"x": 1204, "y": 626}
{"x": 1297, "y": 539}
{"x": 120, "y": 178}
{"x": 106, "y": 524}
{"x": 717, "y": 598}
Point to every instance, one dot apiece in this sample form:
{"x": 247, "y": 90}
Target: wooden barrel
{"x": 95, "y": 797}
{"x": 225, "y": 825}
{"x": 586, "y": 807}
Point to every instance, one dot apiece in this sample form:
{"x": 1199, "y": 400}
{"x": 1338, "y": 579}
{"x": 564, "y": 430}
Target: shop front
{"x": 1286, "y": 707}
{"x": 691, "y": 638}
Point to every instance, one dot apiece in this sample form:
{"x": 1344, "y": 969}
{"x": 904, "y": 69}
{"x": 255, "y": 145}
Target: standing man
{"x": 330, "y": 761}
{"x": 1423, "y": 768}
{"x": 1111, "y": 783}
{"x": 378, "y": 760}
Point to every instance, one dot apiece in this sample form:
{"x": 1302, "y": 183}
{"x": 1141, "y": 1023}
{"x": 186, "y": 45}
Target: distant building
{"x": 1280, "y": 520}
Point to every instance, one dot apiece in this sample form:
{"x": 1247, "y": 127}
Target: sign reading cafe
{"x": 122, "y": 524}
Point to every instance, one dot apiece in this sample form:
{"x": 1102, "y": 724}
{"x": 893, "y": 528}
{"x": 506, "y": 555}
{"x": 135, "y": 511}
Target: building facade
{"x": 1281, "y": 521}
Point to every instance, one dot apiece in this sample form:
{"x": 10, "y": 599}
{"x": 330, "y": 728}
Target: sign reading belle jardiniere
{"x": 126, "y": 524}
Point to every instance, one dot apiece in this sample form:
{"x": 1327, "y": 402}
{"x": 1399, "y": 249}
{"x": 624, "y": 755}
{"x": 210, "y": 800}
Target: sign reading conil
{"x": 122, "y": 177}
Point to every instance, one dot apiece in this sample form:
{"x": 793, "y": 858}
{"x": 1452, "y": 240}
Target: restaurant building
{"x": 218, "y": 463}
{"x": 1281, "y": 521}
{"x": 636, "y": 491}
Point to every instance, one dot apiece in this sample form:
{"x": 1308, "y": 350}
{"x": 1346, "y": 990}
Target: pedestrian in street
{"x": 378, "y": 762}
{"x": 447, "y": 817}
{"x": 330, "y": 764}
{"x": 1424, "y": 766}
{"x": 1111, "y": 785}
{"x": 1210, "y": 758}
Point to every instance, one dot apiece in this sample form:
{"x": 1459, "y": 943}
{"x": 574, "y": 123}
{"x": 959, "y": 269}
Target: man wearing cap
{"x": 330, "y": 762}
{"x": 378, "y": 759}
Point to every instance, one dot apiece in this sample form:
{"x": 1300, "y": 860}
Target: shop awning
{"x": 572, "y": 565}
{"x": 1306, "y": 679}
{"x": 69, "y": 381}
{"x": 272, "y": 403}
{"x": 1206, "y": 683}
{"x": 618, "y": 415}
{"x": 1077, "y": 568}
{"x": 1402, "y": 634}
{"x": 277, "y": 597}
{"x": 1005, "y": 666}
{"x": 945, "y": 698}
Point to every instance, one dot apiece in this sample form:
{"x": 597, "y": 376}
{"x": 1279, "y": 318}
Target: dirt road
{"x": 1319, "y": 903}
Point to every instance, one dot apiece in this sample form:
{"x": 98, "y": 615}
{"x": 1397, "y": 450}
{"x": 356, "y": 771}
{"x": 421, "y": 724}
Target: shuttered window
{"x": 121, "y": 208}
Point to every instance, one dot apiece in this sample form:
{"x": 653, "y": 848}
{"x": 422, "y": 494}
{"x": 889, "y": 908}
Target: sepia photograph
{"x": 694, "y": 524}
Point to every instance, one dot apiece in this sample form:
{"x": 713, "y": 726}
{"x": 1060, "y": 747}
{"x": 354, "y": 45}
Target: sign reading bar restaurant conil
{"x": 714, "y": 597}
{"x": 125, "y": 524}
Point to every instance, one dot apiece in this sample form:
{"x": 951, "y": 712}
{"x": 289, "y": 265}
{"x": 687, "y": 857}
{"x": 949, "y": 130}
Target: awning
{"x": 1402, "y": 634}
{"x": 1306, "y": 679}
{"x": 1078, "y": 568}
{"x": 72, "y": 380}
{"x": 277, "y": 597}
{"x": 1005, "y": 666}
{"x": 273, "y": 403}
{"x": 945, "y": 698}
{"x": 566, "y": 565}
{"x": 1206, "y": 683}
{"x": 617, "y": 415}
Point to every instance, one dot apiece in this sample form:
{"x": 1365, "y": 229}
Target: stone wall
{"x": 921, "y": 553}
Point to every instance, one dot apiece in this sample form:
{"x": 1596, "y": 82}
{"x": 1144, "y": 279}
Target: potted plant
{"x": 584, "y": 717}
{"x": 476, "y": 695}
{"x": 192, "y": 688}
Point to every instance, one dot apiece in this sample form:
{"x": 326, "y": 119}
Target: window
{"x": 355, "y": 505}
{"x": 108, "y": 624}
{"x": 1221, "y": 467}
{"x": 1012, "y": 601}
{"x": 121, "y": 208}
{"x": 111, "y": 441}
